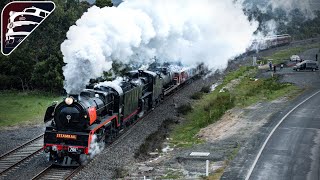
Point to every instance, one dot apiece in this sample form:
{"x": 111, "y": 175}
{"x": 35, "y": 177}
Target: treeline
{"x": 305, "y": 28}
{"x": 294, "y": 23}
{"x": 37, "y": 63}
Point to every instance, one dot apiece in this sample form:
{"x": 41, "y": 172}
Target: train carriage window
{"x": 42, "y": 14}
{"x": 30, "y": 10}
{"x": 17, "y": 18}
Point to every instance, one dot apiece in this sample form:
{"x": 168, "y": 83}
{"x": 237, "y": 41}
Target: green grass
{"x": 242, "y": 71}
{"x": 172, "y": 174}
{"x": 197, "y": 95}
{"x": 250, "y": 91}
{"x": 217, "y": 175}
{"x": 18, "y": 108}
{"x": 212, "y": 106}
{"x": 283, "y": 55}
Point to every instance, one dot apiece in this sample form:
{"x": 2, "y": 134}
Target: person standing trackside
{"x": 316, "y": 57}
{"x": 270, "y": 65}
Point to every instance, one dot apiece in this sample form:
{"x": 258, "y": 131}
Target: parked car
{"x": 294, "y": 58}
{"x": 307, "y": 65}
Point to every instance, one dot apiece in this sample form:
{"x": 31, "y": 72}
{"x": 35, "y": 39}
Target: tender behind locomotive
{"x": 99, "y": 114}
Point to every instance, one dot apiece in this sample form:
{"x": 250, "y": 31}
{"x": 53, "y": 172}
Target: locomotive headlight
{"x": 68, "y": 100}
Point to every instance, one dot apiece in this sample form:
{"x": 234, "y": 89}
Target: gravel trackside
{"x": 13, "y": 137}
{"x": 121, "y": 155}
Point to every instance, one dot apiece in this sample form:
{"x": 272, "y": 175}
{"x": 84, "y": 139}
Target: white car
{"x": 294, "y": 58}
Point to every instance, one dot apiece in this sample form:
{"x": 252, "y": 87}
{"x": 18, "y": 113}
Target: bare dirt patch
{"x": 222, "y": 140}
{"x": 239, "y": 122}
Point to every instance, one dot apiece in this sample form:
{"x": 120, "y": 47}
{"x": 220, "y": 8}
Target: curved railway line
{"x": 12, "y": 159}
{"x": 54, "y": 172}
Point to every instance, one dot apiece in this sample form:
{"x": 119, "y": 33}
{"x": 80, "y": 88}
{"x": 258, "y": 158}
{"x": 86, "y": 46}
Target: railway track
{"x": 55, "y": 172}
{"x": 12, "y": 159}
{"x": 125, "y": 133}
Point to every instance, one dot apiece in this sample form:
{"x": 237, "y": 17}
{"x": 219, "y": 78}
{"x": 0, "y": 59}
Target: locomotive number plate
{"x": 67, "y": 136}
{"x": 72, "y": 149}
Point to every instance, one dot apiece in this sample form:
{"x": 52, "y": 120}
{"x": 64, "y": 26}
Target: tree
{"x": 37, "y": 62}
{"x": 18, "y": 68}
{"x": 47, "y": 74}
{"x": 104, "y": 3}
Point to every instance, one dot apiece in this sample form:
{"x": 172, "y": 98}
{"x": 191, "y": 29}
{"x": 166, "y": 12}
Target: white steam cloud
{"x": 95, "y": 146}
{"x": 115, "y": 84}
{"x": 186, "y": 31}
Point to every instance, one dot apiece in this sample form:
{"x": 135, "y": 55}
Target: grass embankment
{"x": 18, "y": 108}
{"x": 244, "y": 91}
{"x": 239, "y": 89}
{"x": 282, "y": 55}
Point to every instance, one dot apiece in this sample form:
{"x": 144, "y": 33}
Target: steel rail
{"x": 15, "y": 157}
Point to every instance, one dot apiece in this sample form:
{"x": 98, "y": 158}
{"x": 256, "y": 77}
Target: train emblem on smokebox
{"x": 19, "y": 19}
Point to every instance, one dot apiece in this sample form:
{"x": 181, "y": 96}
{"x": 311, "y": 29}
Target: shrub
{"x": 197, "y": 95}
{"x": 120, "y": 173}
{"x": 184, "y": 109}
{"x": 223, "y": 101}
{"x": 154, "y": 141}
{"x": 205, "y": 89}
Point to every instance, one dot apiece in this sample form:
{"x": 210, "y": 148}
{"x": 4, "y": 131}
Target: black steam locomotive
{"x": 99, "y": 113}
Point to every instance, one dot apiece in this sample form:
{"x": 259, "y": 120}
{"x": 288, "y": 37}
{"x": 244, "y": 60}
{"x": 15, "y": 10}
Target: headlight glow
{"x": 68, "y": 100}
